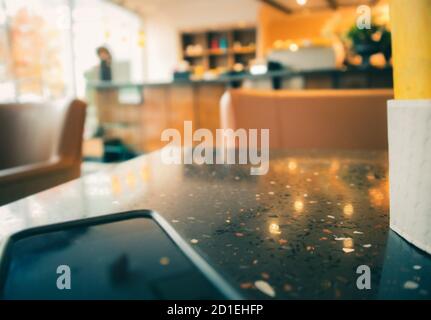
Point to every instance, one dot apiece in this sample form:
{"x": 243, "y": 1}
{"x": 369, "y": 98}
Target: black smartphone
{"x": 132, "y": 255}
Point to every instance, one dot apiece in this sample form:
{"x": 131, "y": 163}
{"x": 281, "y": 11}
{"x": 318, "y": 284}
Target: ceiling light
{"x": 301, "y": 2}
{"x": 293, "y": 47}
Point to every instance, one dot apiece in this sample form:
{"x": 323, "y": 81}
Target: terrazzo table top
{"x": 301, "y": 231}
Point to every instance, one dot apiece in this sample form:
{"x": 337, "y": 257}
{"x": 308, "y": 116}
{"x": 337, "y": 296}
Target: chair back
{"x": 36, "y": 133}
{"x": 312, "y": 119}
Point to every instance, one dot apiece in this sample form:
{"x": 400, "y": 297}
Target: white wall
{"x": 164, "y": 21}
{"x": 91, "y": 30}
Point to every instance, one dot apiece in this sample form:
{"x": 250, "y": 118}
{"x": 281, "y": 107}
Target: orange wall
{"x": 325, "y": 24}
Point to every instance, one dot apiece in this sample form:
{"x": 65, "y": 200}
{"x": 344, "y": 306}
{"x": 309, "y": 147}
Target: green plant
{"x": 367, "y": 42}
{"x": 362, "y": 36}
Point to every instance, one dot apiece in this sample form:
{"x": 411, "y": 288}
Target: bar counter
{"x": 304, "y": 228}
{"x": 374, "y": 78}
{"x": 137, "y": 113}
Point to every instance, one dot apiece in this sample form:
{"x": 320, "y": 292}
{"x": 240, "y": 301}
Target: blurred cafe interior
{"x": 87, "y": 88}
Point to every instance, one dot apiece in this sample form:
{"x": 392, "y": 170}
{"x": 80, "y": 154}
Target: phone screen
{"x": 126, "y": 259}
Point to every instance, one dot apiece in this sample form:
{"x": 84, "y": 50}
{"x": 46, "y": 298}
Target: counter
{"x": 137, "y": 113}
{"x": 367, "y": 77}
{"x": 304, "y": 228}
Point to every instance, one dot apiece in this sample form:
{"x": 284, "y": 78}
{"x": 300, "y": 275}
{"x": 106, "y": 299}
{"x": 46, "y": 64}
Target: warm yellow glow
{"x": 278, "y": 44}
{"x": 292, "y": 165}
{"x": 348, "y": 243}
{"x": 293, "y": 47}
{"x": 335, "y": 166}
{"x": 141, "y": 39}
{"x": 376, "y": 197}
{"x": 301, "y": 2}
{"x": 274, "y": 228}
{"x": 348, "y": 209}
{"x": 131, "y": 180}
{"x": 299, "y": 206}
{"x": 115, "y": 185}
{"x": 371, "y": 177}
{"x": 145, "y": 173}
{"x": 164, "y": 261}
{"x": 381, "y": 16}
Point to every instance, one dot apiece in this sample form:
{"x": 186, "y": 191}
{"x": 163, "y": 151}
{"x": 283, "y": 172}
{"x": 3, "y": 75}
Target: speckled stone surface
{"x": 301, "y": 230}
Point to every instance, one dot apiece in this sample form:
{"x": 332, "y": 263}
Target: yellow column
{"x": 411, "y": 46}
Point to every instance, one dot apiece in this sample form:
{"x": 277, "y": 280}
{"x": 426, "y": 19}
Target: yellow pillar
{"x": 411, "y": 47}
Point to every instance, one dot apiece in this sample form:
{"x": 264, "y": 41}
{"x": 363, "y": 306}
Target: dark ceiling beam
{"x": 332, "y": 4}
{"x": 278, "y": 6}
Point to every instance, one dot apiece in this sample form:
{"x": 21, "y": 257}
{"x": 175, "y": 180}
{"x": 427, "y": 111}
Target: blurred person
{"x": 105, "y": 71}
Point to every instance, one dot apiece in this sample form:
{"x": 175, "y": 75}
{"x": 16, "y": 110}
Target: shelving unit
{"x": 220, "y": 49}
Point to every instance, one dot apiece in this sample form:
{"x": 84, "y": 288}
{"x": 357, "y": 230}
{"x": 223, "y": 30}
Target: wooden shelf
{"x": 244, "y": 51}
{"x": 233, "y": 45}
{"x": 218, "y": 52}
{"x": 186, "y": 55}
